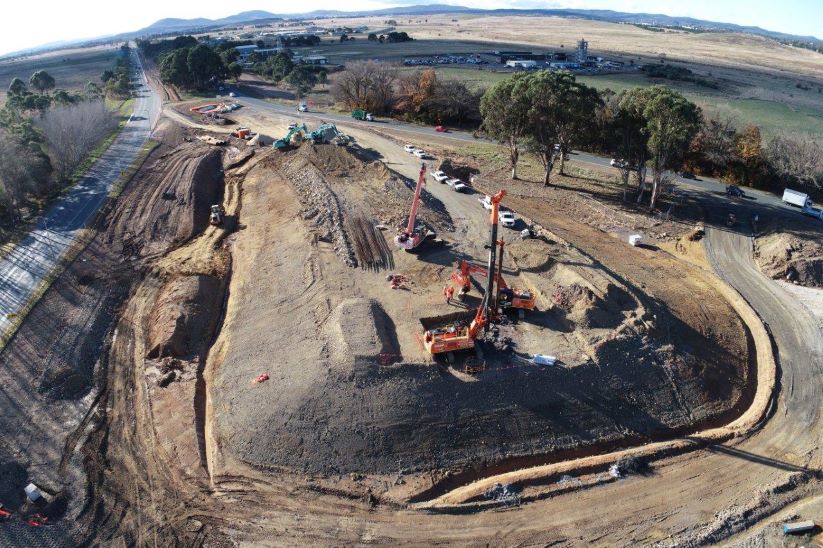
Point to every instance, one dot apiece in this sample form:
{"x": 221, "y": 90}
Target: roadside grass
{"x": 81, "y": 242}
{"x": 125, "y": 109}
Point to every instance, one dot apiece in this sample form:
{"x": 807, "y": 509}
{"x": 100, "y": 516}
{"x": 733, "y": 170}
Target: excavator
{"x": 460, "y": 335}
{"x": 414, "y": 235}
{"x": 285, "y": 142}
{"x": 507, "y": 297}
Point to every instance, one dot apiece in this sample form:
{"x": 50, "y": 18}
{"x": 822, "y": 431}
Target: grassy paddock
{"x": 771, "y": 116}
{"x": 71, "y": 70}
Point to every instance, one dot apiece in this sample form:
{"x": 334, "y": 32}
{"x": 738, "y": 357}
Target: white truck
{"x": 815, "y": 212}
{"x": 795, "y": 198}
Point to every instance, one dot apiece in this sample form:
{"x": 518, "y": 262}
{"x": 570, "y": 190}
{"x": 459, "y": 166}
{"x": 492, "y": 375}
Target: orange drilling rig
{"x": 507, "y": 297}
{"x": 414, "y": 235}
{"x": 460, "y": 334}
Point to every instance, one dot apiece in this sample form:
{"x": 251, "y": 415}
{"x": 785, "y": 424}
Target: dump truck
{"x": 796, "y": 198}
{"x": 362, "y": 115}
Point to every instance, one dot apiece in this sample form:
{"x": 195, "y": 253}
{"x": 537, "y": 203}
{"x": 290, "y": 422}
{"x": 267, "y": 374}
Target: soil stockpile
{"x": 180, "y": 188}
{"x": 791, "y": 257}
{"x": 184, "y": 316}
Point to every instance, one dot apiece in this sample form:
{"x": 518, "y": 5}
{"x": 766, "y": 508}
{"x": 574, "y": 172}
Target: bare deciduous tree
{"x": 72, "y": 131}
{"x": 19, "y": 170}
{"x": 366, "y": 84}
{"x": 797, "y": 158}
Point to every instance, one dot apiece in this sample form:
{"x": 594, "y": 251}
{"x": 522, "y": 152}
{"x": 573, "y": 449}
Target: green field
{"x": 772, "y": 117}
{"x": 71, "y": 70}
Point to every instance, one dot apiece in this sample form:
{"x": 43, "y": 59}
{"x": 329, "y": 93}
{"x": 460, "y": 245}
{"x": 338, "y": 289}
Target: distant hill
{"x": 200, "y": 24}
{"x": 654, "y": 19}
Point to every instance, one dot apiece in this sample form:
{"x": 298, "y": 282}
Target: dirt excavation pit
{"x": 348, "y": 386}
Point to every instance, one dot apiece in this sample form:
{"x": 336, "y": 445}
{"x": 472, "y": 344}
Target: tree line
{"x": 46, "y": 132}
{"x": 652, "y": 131}
{"x": 189, "y": 64}
{"x": 418, "y": 96}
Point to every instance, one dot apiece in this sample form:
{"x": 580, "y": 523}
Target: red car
{"x": 440, "y": 129}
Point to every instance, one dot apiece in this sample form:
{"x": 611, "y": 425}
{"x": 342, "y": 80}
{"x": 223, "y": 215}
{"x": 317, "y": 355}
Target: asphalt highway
{"x": 28, "y": 264}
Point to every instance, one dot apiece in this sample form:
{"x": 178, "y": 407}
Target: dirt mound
{"x": 453, "y": 168}
{"x": 184, "y": 316}
{"x": 181, "y": 187}
{"x": 359, "y": 330}
{"x": 790, "y": 257}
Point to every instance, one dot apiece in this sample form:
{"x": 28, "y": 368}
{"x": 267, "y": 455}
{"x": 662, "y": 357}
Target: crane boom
{"x": 412, "y": 236}
{"x": 421, "y": 182}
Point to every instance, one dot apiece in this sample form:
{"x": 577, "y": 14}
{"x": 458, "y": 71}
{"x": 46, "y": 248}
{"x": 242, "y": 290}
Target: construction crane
{"x": 460, "y": 335}
{"x": 414, "y": 235}
{"x": 507, "y": 297}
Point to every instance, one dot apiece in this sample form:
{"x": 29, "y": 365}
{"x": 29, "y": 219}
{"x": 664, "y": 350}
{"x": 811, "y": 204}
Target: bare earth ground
{"x": 789, "y": 248}
{"x": 170, "y": 465}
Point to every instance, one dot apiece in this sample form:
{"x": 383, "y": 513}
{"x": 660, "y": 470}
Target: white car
{"x": 292, "y": 125}
{"x": 420, "y": 154}
{"x": 617, "y": 163}
{"x": 486, "y": 202}
{"x": 303, "y": 107}
{"x": 439, "y": 176}
{"x": 410, "y": 148}
{"x": 232, "y": 94}
{"x": 460, "y": 187}
{"x": 455, "y": 181}
{"x": 506, "y": 218}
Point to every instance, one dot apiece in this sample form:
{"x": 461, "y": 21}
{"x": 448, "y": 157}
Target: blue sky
{"x": 30, "y": 24}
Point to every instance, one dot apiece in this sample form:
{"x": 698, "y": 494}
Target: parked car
{"x": 453, "y": 181}
{"x": 292, "y": 125}
{"x": 506, "y": 218}
{"x": 302, "y": 107}
{"x": 735, "y": 191}
{"x": 440, "y": 129}
{"x": 617, "y": 163}
{"x": 460, "y": 187}
{"x": 439, "y": 176}
{"x": 485, "y": 201}
{"x": 422, "y": 154}
{"x": 410, "y": 148}
{"x": 232, "y": 94}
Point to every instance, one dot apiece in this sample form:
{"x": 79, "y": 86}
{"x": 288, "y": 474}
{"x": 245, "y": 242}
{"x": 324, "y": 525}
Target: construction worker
{"x": 448, "y": 291}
